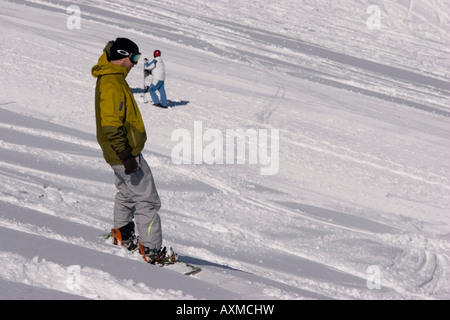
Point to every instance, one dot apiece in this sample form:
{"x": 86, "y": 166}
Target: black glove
{"x": 128, "y": 160}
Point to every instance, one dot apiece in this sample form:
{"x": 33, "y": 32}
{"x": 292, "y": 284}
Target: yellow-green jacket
{"x": 119, "y": 121}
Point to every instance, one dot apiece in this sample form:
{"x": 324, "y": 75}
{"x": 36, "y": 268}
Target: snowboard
{"x": 177, "y": 265}
{"x": 145, "y": 87}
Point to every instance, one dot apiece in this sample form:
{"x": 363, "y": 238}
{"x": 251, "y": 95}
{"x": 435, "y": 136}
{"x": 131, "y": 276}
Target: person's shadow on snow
{"x": 170, "y": 103}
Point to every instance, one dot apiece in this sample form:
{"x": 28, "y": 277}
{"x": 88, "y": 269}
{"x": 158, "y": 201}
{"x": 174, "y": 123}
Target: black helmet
{"x": 123, "y": 48}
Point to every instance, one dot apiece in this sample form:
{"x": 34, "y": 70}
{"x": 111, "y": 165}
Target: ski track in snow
{"x": 363, "y": 181}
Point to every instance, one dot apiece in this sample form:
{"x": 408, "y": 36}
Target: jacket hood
{"x": 104, "y": 67}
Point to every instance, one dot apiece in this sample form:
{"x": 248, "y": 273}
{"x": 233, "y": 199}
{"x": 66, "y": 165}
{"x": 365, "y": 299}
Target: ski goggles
{"x": 134, "y": 56}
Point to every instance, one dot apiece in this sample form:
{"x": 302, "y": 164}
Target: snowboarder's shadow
{"x": 137, "y": 90}
{"x": 170, "y": 103}
{"x": 200, "y": 262}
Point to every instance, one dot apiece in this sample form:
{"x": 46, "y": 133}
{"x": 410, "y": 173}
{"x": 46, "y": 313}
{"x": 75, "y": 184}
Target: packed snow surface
{"x": 343, "y": 190}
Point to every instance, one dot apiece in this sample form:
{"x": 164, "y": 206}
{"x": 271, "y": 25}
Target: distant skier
{"x": 121, "y": 135}
{"x": 158, "y": 71}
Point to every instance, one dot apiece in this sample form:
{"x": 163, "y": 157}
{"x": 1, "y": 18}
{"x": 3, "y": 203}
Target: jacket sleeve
{"x": 149, "y": 66}
{"x": 112, "y": 111}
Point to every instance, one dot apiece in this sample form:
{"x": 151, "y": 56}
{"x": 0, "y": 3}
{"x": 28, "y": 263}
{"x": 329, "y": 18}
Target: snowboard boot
{"x": 125, "y": 237}
{"x": 161, "y": 256}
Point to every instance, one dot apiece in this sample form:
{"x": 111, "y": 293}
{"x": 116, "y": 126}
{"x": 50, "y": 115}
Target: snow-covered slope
{"x": 358, "y": 195}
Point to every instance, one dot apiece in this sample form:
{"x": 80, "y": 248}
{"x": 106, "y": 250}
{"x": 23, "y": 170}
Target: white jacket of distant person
{"x": 156, "y": 66}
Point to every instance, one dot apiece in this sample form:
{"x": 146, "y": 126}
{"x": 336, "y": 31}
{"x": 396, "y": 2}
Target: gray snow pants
{"x": 138, "y": 198}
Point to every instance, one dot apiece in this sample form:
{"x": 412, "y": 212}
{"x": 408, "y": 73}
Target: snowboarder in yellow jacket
{"x": 122, "y": 136}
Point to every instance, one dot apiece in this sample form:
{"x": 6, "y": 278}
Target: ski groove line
{"x": 370, "y": 164}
